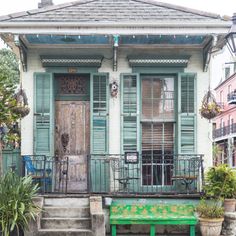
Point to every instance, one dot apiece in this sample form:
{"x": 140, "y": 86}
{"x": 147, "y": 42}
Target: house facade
{"x": 224, "y": 124}
{"x": 120, "y": 81}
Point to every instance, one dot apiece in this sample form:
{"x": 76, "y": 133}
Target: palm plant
{"x": 16, "y": 203}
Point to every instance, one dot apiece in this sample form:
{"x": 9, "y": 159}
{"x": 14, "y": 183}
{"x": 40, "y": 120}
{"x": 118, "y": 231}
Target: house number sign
{"x": 131, "y": 157}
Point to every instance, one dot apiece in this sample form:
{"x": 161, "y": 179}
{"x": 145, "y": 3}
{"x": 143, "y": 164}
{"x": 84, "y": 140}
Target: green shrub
{"x": 16, "y": 202}
{"x": 220, "y": 182}
{"x": 210, "y": 209}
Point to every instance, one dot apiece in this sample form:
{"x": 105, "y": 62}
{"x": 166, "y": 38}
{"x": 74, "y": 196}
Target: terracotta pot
{"x": 229, "y": 205}
{"x": 211, "y": 227}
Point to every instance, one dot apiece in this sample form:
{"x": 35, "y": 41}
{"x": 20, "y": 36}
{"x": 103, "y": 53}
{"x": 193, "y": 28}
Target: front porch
{"x": 131, "y": 174}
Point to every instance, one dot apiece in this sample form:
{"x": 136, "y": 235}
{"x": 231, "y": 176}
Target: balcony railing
{"x": 152, "y": 174}
{"x": 50, "y": 173}
{"x": 224, "y": 131}
{"x": 117, "y": 175}
{"x": 232, "y": 97}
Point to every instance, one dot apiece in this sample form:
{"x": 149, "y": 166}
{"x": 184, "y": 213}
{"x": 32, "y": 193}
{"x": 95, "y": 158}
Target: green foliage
{"x": 210, "y": 209}
{"x": 16, "y": 202}
{"x": 220, "y": 182}
{"x": 9, "y": 80}
{"x": 9, "y": 66}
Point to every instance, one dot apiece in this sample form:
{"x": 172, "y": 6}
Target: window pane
{"x": 157, "y": 98}
{"x": 187, "y": 94}
{"x": 157, "y": 143}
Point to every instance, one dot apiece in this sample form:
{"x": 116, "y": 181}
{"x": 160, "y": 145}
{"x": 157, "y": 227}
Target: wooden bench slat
{"x": 159, "y": 214}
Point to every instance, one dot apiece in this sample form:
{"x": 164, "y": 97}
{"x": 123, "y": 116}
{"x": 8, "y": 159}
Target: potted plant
{"x": 211, "y": 216}
{"x": 221, "y": 183}
{"x": 16, "y": 204}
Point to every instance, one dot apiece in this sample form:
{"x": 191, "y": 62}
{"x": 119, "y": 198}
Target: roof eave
{"x": 165, "y": 24}
{"x": 120, "y": 28}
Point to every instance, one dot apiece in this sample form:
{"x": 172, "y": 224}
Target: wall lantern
{"x": 231, "y": 36}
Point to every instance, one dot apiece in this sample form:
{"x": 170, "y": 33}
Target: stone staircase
{"x": 65, "y": 217}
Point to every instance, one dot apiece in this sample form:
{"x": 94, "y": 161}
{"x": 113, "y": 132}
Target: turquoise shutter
{"x": 43, "y": 114}
{"x": 187, "y": 113}
{"x": 99, "y": 113}
{"x": 130, "y": 112}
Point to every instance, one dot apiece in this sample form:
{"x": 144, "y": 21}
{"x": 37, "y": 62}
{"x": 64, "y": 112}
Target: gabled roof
{"x": 105, "y": 11}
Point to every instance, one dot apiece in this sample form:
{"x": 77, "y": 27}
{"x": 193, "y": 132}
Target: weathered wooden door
{"x": 72, "y": 141}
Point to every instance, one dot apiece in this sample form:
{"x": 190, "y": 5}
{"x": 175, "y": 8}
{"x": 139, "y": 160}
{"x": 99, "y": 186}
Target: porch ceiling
{"x": 104, "y": 40}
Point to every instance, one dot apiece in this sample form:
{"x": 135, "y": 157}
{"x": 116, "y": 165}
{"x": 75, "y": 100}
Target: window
{"x": 227, "y": 72}
{"x": 187, "y": 95}
{"x": 221, "y": 96}
{"x": 229, "y": 124}
{"x": 229, "y": 88}
{"x": 157, "y": 121}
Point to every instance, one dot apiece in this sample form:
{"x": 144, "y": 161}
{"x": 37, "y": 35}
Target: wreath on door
{"x": 209, "y": 108}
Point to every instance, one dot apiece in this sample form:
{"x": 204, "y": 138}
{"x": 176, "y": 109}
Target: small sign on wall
{"x": 131, "y": 158}
{"x": 72, "y": 70}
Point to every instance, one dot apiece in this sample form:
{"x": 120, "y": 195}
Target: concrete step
{"x": 65, "y": 212}
{"x": 65, "y": 232}
{"x": 65, "y": 223}
{"x": 66, "y": 202}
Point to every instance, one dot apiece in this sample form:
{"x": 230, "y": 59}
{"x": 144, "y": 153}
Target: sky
{"x": 222, "y": 7}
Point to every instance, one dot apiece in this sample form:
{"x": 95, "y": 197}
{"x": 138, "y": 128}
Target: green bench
{"x": 159, "y": 214}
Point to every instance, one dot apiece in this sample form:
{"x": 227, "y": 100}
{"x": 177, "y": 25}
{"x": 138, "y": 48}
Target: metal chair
{"x": 187, "y": 171}
{"x": 124, "y": 174}
{"x": 39, "y": 175}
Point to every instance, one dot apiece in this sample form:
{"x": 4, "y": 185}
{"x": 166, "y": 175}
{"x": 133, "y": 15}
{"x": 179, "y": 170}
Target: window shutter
{"x": 43, "y": 114}
{"x": 99, "y": 113}
{"x": 187, "y": 114}
{"x": 129, "y": 112}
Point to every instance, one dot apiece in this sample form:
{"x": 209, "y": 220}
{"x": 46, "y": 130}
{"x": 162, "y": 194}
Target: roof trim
{"x": 225, "y": 81}
{"x": 157, "y": 61}
{"x": 120, "y": 28}
{"x": 62, "y": 61}
{"x": 197, "y": 24}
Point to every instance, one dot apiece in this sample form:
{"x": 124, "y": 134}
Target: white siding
{"x": 194, "y": 66}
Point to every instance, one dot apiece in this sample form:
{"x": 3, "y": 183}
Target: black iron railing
{"x": 226, "y": 130}
{"x": 149, "y": 173}
{"x": 153, "y": 174}
{"x": 231, "y": 97}
{"x": 50, "y": 173}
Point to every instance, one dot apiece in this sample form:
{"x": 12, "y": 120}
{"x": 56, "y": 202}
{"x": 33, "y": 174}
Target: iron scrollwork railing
{"x": 50, "y": 173}
{"x": 113, "y": 174}
{"x": 152, "y": 174}
{"x": 223, "y": 131}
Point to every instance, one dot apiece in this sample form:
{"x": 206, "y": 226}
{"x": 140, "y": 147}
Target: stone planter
{"x": 229, "y": 205}
{"x": 210, "y": 227}
{"x": 229, "y": 225}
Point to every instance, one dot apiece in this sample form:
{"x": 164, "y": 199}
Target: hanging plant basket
{"x": 209, "y": 108}
{"x": 21, "y": 108}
